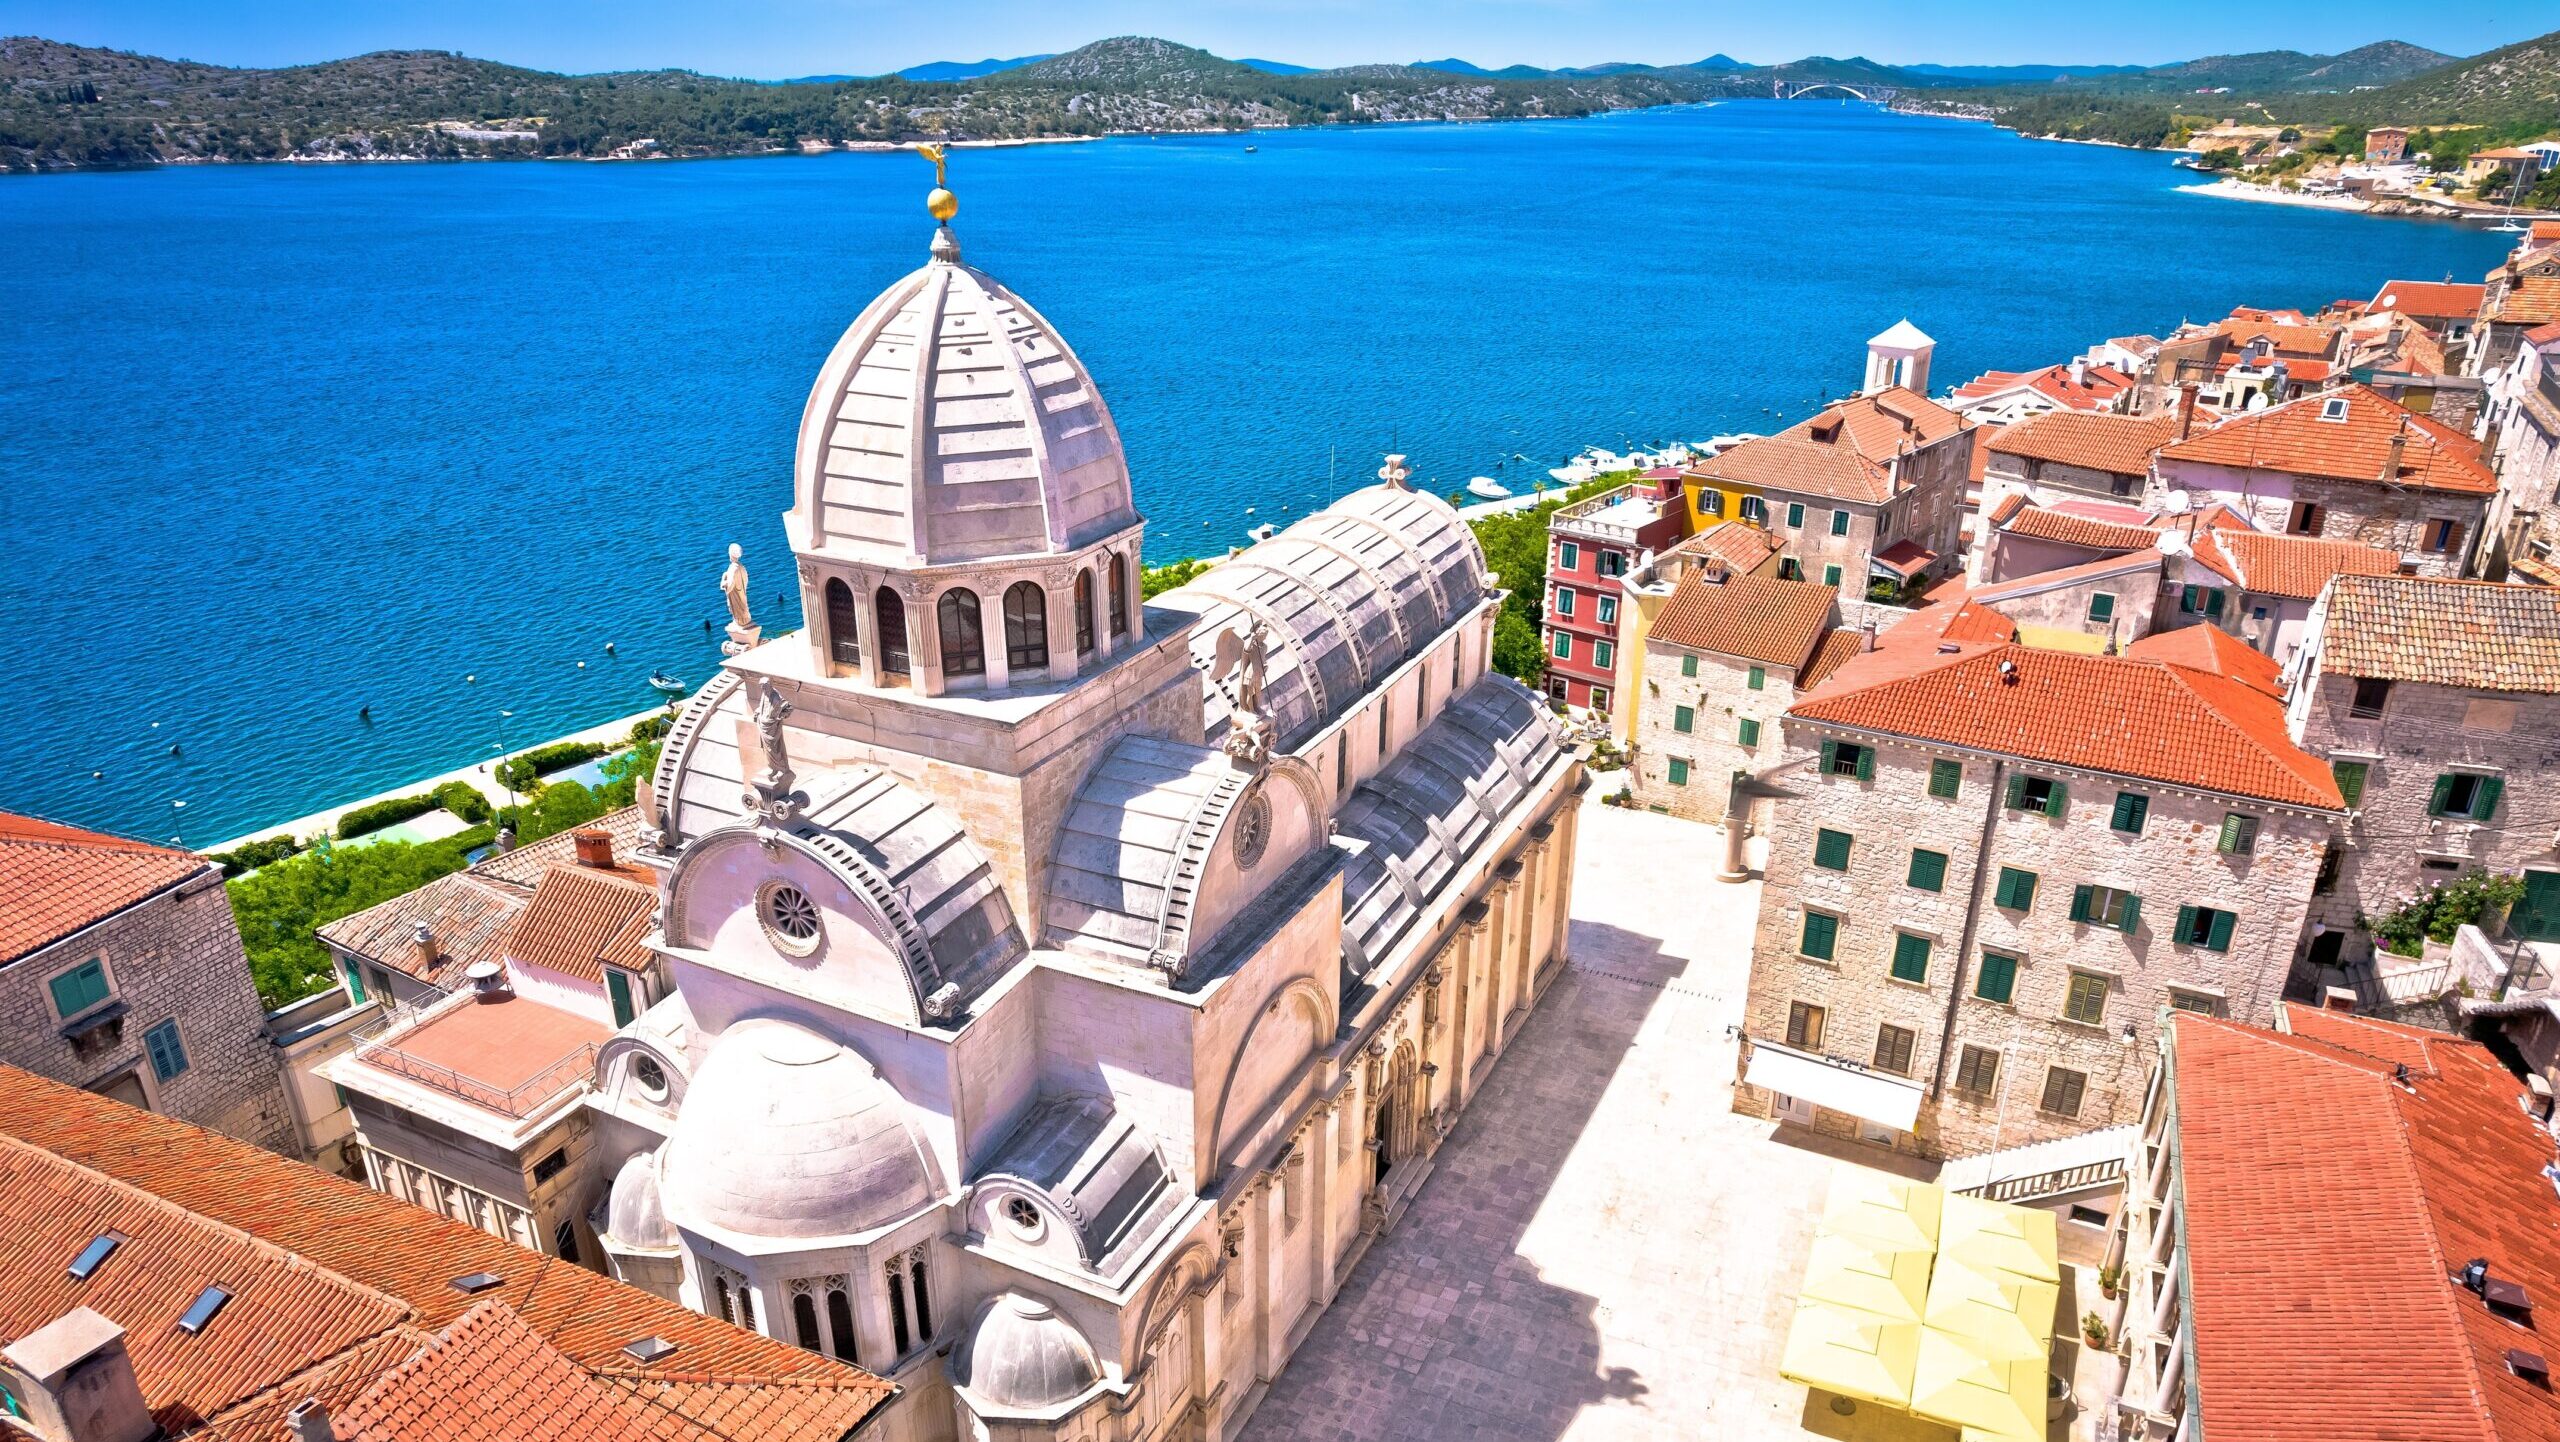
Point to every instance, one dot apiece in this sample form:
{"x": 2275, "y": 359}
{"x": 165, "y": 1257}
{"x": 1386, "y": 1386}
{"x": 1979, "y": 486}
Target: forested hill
{"x": 65, "y": 106}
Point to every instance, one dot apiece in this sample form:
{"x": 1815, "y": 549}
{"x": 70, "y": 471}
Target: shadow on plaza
{"x": 1444, "y": 1330}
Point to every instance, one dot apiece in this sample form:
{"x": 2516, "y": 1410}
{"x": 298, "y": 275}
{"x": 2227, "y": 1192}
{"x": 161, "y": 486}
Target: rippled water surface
{"x": 279, "y": 443}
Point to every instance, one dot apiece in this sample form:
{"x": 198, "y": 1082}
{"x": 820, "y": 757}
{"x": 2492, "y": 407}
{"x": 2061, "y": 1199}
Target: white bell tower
{"x": 1899, "y": 357}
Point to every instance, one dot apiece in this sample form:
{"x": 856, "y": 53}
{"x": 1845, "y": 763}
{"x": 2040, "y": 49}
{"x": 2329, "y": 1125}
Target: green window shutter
{"x": 2191, "y": 599}
{"x": 2186, "y": 923}
{"x": 2132, "y": 808}
{"x": 2213, "y": 603}
{"x": 1678, "y": 772}
{"x": 2132, "y": 915}
{"x": 1830, "y": 754}
{"x": 2230, "y": 841}
{"x": 1998, "y": 980}
{"x": 1795, "y": 515}
{"x": 1866, "y": 763}
{"x": 2442, "y": 800}
{"x": 1688, "y": 666}
{"x": 1711, "y": 501}
{"x": 355, "y": 984}
{"x": 1929, "y": 870}
{"x": 2017, "y": 792}
{"x": 1831, "y": 849}
{"x": 2484, "y": 801}
{"x": 1820, "y": 934}
{"x": 2017, "y": 889}
{"x": 1749, "y": 732}
{"x": 79, "y": 989}
{"x": 1563, "y": 647}
{"x": 168, "y": 1050}
{"x": 2218, "y": 938}
{"x": 1839, "y": 523}
{"x": 2053, "y": 800}
{"x": 2350, "y": 777}
{"x": 1683, "y": 718}
{"x": 2080, "y": 903}
{"x": 2102, "y": 607}
{"x": 1603, "y": 654}
{"x": 618, "y": 985}
{"x": 1831, "y": 575}
{"x": 1946, "y": 778}
{"x": 1910, "y": 957}
{"x": 1758, "y": 679}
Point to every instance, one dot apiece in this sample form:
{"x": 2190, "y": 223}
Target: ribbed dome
{"x": 1022, "y": 1355}
{"x": 785, "y": 1134}
{"x": 952, "y": 423}
{"x": 635, "y": 1215}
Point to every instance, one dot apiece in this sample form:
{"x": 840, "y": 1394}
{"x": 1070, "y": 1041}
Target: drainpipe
{"x": 1972, "y": 920}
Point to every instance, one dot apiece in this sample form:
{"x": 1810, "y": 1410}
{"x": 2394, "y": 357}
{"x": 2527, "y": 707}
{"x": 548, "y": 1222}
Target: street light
{"x": 503, "y": 774}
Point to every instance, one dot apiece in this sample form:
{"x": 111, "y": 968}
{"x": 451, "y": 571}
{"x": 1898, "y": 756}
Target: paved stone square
{"x": 1603, "y": 1250}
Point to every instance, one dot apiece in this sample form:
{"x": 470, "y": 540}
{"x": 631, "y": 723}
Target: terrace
{"x": 499, "y": 1053}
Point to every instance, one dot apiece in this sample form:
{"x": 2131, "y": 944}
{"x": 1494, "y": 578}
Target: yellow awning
{"x": 2002, "y": 1399}
{"x": 1997, "y": 1237}
{"x": 1856, "y": 1273}
{"x": 1856, "y": 1354}
{"x": 1881, "y": 1209}
{"x": 2002, "y": 1313}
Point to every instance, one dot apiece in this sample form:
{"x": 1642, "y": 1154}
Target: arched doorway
{"x": 844, "y": 633}
{"x": 1395, "y": 1127}
{"x": 892, "y": 615}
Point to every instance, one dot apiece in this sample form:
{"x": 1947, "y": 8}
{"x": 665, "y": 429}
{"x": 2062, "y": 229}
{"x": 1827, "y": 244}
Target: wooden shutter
{"x": 2230, "y": 841}
{"x": 1946, "y": 778}
{"x": 2213, "y": 603}
{"x": 2443, "y": 797}
{"x": 2132, "y": 915}
{"x": 2186, "y": 924}
{"x": 2128, "y": 815}
{"x": 1866, "y": 763}
{"x": 2080, "y": 903}
{"x": 2219, "y": 937}
{"x": 2484, "y": 801}
{"x": 1830, "y": 754}
{"x": 2017, "y": 791}
{"x": 2053, "y": 799}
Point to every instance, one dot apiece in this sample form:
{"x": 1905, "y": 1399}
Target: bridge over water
{"x": 1874, "y": 94}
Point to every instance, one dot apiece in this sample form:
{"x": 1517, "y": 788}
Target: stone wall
{"x": 175, "y": 956}
{"x": 2048, "y": 481}
{"x": 2172, "y": 862}
{"x": 2065, "y": 606}
{"x": 1721, "y": 699}
{"x": 2394, "y": 518}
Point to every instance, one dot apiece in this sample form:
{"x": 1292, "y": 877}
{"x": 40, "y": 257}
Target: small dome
{"x": 635, "y": 1216}
{"x": 1023, "y": 1356}
{"x": 951, "y": 423}
{"x": 786, "y": 1134}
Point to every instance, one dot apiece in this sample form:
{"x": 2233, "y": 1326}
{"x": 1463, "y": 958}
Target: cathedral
{"x": 1057, "y": 990}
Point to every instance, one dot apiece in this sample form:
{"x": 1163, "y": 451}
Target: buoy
{"x": 582, "y": 665}
{"x": 467, "y": 680}
{"x": 173, "y": 748}
{"x": 608, "y": 648}
{"x": 97, "y": 776}
{"x": 364, "y": 713}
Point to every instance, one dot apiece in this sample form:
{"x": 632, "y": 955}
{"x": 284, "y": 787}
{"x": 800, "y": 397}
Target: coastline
{"x": 2229, "y": 189}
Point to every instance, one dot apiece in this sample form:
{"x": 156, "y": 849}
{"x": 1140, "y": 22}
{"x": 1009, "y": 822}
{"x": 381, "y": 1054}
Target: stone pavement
{"x": 1603, "y": 1250}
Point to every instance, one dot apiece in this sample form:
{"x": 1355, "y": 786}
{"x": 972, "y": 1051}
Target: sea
{"x": 318, "y": 479}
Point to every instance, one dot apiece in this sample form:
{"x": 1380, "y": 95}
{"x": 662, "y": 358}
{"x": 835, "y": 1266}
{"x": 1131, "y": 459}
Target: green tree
{"x": 1517, "y": 652}
{"x": 624, "y": 773}
{"x": 279, "y": 908}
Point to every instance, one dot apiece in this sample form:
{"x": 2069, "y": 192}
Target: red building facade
{"x": 1591, "y": 546}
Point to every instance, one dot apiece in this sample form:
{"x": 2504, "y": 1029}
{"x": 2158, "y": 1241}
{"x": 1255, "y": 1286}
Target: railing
{"x": 2036, "y": 1186}
{"x": 1576, "y": 518}
{"x": 518, "y": 1101}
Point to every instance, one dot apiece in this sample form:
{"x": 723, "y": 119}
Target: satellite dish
{"x": 2177, "y": 503}
{"x": 2172, "y": 543}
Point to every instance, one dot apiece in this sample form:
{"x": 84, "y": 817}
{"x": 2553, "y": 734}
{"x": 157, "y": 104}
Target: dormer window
{"x": 2334, "y": 409}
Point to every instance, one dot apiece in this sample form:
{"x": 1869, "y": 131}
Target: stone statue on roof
{"x": 1243, "y": 658}
{"x": 743, "y": 631}
{"x": 770, "y": 793}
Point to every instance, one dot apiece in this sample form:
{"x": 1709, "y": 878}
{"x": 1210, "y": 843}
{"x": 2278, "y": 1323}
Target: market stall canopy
{"x": 1997, "y": 1237}
{"x": 1882, "y": 1209}
{"x": 1894, "y": 1285}
{"x": 2006, "y": 1315}
{"x": 1999, "y": 1398}
{"x": 1872, "y": 1096}
{"x": 1856, "y": 1354}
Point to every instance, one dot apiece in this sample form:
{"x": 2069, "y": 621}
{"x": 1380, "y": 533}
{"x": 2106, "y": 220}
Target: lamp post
{"x": 503, "y": 775}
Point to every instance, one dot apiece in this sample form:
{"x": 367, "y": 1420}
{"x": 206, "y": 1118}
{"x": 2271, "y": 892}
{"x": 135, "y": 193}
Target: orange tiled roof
{"x": 2292, "y": 339}
{"x": 2446, "y": 633}
{"x": 2098, "y": 385}
{"x": 2432, "y": 299}
{"x": 468, "y": 915}
{"x": 728, "y": 1383}
{"x": 2116, "y": 714}
{"x": 57, "y": 879}
{"x": 2286, "y": 1286}
{"x": 1834, "y": 652}
{"x": 523, "y": 867}
{"x": 2207, "y": 647}
{"x": 2045, "y": 523}
{"x": 2293, "y": 438}
{"x": 492, "y": 1378}
{"x": 580, "y": 918}
{"x": 2099, "y": 441}
{"x": 2531, "y": 300}
{"x": 1757, "y": 618}
{"x": 1741, "y": 545}
{"x": 2297, "y": 567}
{"x": 1841, "y": 453}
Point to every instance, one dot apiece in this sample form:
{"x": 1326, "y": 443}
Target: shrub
{"x": 557, "y": 808}
{"x": 624, "y": 773}
{"x": 280, "y": 907}
{"x": 464, "y": 800}
{"x": 651, "y": 728}
{"x": 390, "y": 812}
{"x": 521, "y": 772}
{"x": 250, "y": 855}
{"x": 1154, "y": 581}
{"x": 2438, "y": 911}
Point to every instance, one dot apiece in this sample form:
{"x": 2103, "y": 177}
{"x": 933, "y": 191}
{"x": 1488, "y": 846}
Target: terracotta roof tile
{"x": 492, "y": 1378}
{"x": 580, "y": 918}
{"x": 1757, "y": 618}
{"x": 1834, "y": 652}
{"x": 1741, "y": 545}
{"x": 2207, "y": 647}
{"x": 2533, "y": 300}
{"x": 2099, "y": 441}
{"x": 2297, "y": 567}
{"x": 1842, "y": 452}
{"x": 2294, "y": 438}
{"x": 2046, "y": 523}
{"x": 468, "y": 916}
{"x": 2446, "y": 633}
{"x": 2432, "y": 299}
{"x": 2098, "y": 386}
{"x": 523, "y": 867}
{"x": 58, "y": 879}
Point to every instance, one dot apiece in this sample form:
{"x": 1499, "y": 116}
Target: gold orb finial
{"x": 941, "y": 204}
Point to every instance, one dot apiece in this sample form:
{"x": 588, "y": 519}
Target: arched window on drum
{"x": 964, "y": 641}
{"x": 1026, "y": 627}
{"x": 844, "y": 628}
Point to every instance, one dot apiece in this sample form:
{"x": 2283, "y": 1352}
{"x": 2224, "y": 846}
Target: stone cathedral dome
{"x": 953, "y": 424}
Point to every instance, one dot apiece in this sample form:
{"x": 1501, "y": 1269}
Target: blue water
{"x": 277, "y": 443}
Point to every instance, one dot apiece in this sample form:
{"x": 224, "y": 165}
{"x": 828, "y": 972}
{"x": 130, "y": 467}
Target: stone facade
{"x": 2408, "y": 521}
{"x": 2070, "y": 600}
{"x": 2124, "y": 981}
{"x": 2045, "y": 481}
{"x": 172, "y": 959}
{"x": 2521, "y": 428}
{"x": 1714, "y": 694}
{"x": 1925, "y": 512}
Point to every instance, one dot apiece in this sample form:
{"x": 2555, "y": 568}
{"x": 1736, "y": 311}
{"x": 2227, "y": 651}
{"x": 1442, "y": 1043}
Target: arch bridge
{"x": 1872, "y": 94}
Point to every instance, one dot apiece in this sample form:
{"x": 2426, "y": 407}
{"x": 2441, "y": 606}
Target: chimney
{"x": 2338, "y": 998}
{"x": 2537, "y": 1096}
{"x": 309, "y": 1422}
{"x": 2399, "y": 450}
{"x": 422, "y": 945}
{"x": 79, "y": 1383}
{"x": 1867, "y": 634}
{"x": 2079, "y": 371}
{"x": 2186, "y": 410}
{"x": 595, "y": 847}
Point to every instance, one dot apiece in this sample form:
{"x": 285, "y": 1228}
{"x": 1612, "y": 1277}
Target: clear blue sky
{"x": 773, "y": 38}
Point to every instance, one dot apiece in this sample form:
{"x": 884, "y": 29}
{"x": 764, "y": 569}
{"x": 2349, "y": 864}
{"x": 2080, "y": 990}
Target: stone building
{"x": 2343, "y": 465}
{"x": 2255, "y": 1307}
{"x": 122, "y": 972}
{"x": 2446, "y": 310}
{"x": 1593, "y": 544}
{"x": 2065, "y": 454}
{"x": 1735, "y": 548}
{"x": 1865, "y": 493}
{"x": 1064, "y": 989}
{"x": 2523, "y": 294}
{"x": 2521, "y": 432}
{"x": 2437, "y": 703}
{"x": 2001, "y": 864}
{"x": 1729, "y": 653}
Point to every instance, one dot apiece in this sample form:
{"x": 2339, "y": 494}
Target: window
{"x": 1804, "y": 1026}
{"x": 964, "y": 641}
{"x": 1946, "y": 779}
{"x": 1928, "y": 870}
{"x": 2461, "y": 794}
{"x": 804, "y": 1321}
{"x": 1026, "y": 627}
{"x": 1688, "y": 666}
{"x": 1831, "y": 849}
{"x": 2201, "y": 601}
{"x": 1998, "y": 979}
{"x": 2086, "y": 1001}
{"x": 840, "y": 1322}
{"x": 791, "y": 916}
{"x": 2102, "y": 608}
{"x": 2016, "y": 891}
{"x": 1757, "y": 679}
{"x": 1676, "y": 771}
{"x": 1563, "y": 646}
{"x": 1084, "y": 612}
{"x": 2351, "y": 777}
{"x": 2132, "y": 809}
{"x": 1611, "y": 563}
{"x": 551, "y": 1165}
{"x": 891, "y": 628}
{"x": 1831, "y": 575}
{"x": 2371, "y": 695}
{"x": 1684, "y": 719}
{"x": 1603, "y": 653}
{"x": 168, "y": 1050}
{"x": 1118, "y": 568}
{"x": 1755, "y": 510}
{"x": 1599, "y": 698}
{"x": 2334, "y": 409}
{"x": 617, "y": 986}
{"x": 2239, "y": 835}
{"x": 1342, "y": 764}
{"x": 355, "y": 984}
{"x": 1821, "y": 935}
{"x": 2106, "y": 906}
{"x": 1564, "y": 600}
{"x": 844, "y": 626}
{"x": 1568, "y": 555}
{"x": 85, "y": 986}
{"x": 1910, "y": 957}
{"x": 1843, "y": 758}
{"x": 1710, "y": 501}
{"x": 1977, "y": 1071}
{"x": 907, "y": 1302}
{"x": 2041, "y": 794}
{"x": 1795, "y": 515}
{"x": 1893, "y": 1049}
{"x": 1608, "y": 610}
{"x": 1839, "y": 523}
{"x": 2063, "y": 1091}
{"x": 2201, "y": 1003}
{"x": 1788, "y": 570}
{"x": 2327, "y": 879}
{"x": 2304, "y": 520}
{"x": 2203, "y": 926}
{"x": 2441, "y": 536}
{"x": 1748, "y": 733}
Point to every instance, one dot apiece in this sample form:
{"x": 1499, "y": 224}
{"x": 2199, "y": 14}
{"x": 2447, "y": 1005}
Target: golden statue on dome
{"x": 942, "y": 204}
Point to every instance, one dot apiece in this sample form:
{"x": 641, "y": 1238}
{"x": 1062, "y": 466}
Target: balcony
{"x": 503, "y": 1055}
{"x": 1617, "y": 517}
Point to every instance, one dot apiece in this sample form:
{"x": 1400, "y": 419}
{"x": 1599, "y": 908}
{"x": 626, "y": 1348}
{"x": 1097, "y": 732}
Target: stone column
{"x": 1105, "y": 644}
{"x": 1568, "y": 840}
{"x": 1061, "y": 594}
{"x": 997, "y": 640}
{"x": 1498, "y": 998}
{"x": 1475, "y": 989}
{"x": 924, "y": 665}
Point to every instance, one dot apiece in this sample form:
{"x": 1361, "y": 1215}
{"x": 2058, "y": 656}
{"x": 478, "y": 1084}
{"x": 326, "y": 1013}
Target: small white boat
{"x": 661, "y": 681}
{"x": 1486, "y": 488}
{"x": 1263, "y": 532}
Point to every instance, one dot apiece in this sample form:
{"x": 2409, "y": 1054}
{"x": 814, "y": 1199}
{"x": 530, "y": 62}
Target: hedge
{"x": 389, "y": 812}
{"x": 522, "y": 771}
{"x": 650, "y": 728}
{"x": 464, "y": 800}
{"x": 250, "y": 855}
